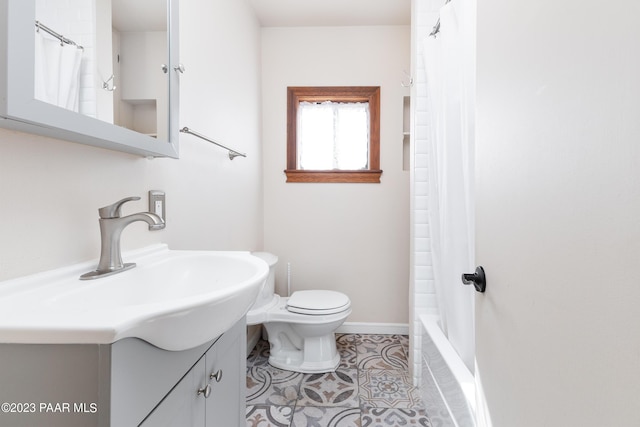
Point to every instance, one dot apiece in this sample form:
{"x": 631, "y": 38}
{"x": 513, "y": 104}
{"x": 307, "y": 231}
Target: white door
{"x": 558, "y": 212}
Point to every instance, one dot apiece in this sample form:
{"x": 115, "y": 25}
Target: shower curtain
{"x": 57, "y": 72}
{"x": 450, "y": 69}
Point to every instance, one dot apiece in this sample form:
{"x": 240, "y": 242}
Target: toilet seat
{"x": 318, "y": 302}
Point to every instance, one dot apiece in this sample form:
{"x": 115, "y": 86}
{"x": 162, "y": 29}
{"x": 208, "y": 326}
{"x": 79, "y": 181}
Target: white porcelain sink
{"x": 175, "y": 300}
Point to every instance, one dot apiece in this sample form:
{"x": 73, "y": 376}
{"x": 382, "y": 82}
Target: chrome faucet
{"x": 111, "y": 226}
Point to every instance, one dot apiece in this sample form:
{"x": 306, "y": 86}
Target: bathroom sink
{"x": 173, "y": 299}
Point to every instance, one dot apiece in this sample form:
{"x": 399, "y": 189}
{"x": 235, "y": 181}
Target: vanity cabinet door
{"x": 226, "y": 372}
{"x": 183, "y": 406}
{"x": 220, "y": 375}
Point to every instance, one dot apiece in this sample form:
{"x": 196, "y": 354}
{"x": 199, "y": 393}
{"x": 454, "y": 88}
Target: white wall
{"x": 50, "y": 190}
{"x": 348, "y": 237}
{"x": 558, "y": 85}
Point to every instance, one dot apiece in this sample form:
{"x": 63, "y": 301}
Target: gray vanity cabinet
{"x": 226, "y": 364}
{"x": 127, "y": 383}
{"x": 182, "y": 406}
{"x": 211, "y": 394}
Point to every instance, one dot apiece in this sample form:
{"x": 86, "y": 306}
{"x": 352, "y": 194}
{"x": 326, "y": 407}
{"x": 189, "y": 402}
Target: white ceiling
{"x": 329, "y": 13}
{"x": 151, "y": 15}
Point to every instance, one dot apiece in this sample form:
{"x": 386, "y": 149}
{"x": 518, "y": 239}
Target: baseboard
{"x": 373, "y": 328}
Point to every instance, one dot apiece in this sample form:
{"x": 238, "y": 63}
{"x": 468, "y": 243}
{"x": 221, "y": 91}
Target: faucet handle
{"x": 113, "y": 211}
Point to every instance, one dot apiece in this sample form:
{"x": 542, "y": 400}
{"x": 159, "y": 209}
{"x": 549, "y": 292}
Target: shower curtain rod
{"x": 436, "y": 28}
{"x": 63, "y": 39}
{"x": 232, "y": 153}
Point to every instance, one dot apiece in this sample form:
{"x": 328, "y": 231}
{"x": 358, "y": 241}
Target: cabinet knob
{"x": 206, "y": 391}
{"x": 216, "y": 376}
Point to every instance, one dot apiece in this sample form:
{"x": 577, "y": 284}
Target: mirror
{"x": 93, "y": 72}
{"x": 115, "y": 53}
{"x": 139, "y": 50}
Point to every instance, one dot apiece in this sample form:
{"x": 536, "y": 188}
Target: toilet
{"x": 300, "y": 328}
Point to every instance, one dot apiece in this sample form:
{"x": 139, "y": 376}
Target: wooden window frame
{"x": 370, "y": 94}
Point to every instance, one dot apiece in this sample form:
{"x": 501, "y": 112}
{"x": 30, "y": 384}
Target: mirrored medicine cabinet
{"x": 106, "y": 75}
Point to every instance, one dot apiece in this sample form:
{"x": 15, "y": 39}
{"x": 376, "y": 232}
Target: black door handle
{"x": 479, "y": 279}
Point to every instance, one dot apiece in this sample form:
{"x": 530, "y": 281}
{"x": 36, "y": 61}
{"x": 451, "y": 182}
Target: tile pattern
{"x": 312, "y": 416}
{"x": 339, "y": 388}
{"x": 268, "y": 416}
{"x": 272, "y": 386}
{"x": 381, "y": 417}
{"x": 371, "y": 388}
{"x": 381, "y": 352}
{"x": 387, "y": 389}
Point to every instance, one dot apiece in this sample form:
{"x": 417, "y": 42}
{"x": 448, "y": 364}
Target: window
{"x": 333, "y": 134}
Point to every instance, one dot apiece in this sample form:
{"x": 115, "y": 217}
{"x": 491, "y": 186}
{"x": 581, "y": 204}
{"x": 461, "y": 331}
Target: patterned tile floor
{"x": 370, "y": 388}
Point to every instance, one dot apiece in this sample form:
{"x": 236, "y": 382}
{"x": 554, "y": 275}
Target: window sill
{"x": 343, "y": 176}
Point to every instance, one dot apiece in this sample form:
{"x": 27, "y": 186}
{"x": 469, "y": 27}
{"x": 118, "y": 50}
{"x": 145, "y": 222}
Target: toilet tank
{"x": 266, "y": 294}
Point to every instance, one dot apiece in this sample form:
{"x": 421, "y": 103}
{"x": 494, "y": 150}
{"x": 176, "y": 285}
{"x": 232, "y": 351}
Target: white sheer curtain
{"x": 333, "y": 135}
{"x": 450, "y": 65}
{"x": 57, "y": 72}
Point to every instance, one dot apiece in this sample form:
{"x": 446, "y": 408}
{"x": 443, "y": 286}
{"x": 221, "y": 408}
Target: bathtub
{"x": 448, "y": 387}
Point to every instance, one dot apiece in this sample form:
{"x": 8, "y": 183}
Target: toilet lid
{"x": 318, "y": 302}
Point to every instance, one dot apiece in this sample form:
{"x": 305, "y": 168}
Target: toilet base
{"x": 300, "y": 342}
{"x": 314, "y": 355}
{"x": 296, "y": 364}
